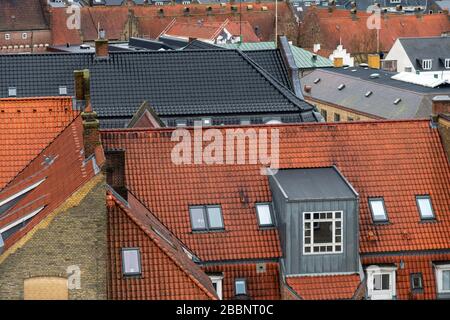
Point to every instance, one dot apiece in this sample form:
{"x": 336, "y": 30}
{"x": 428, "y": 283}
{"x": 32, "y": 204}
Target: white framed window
{"x": 396, "y": 1}
{"x": 240, "y": 287}
{"x": 7, "y": 36}
{"x": 378, "y": 210}
{"x": 217, "y": 281}
{"x": 12, "y": 92}
{"x": 447, "y": 63}
{"x": 131, "y": 262}
{"x": 206, "y": 218}
{"x": 206, "y": 121}
{"x": 381, "y": 282}
{"x": 322, "y": 232}
{"x": 24, "y": 36}
{"x": 264, "y": 213}
{"x": 443, "y": 278}
{"x": 62, "y": 91}
{"x": 427, "y": 64}
{"x": 425, "y": 207}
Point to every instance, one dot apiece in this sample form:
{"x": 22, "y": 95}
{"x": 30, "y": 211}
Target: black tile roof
{"x": 435, "y": 48}
{"x": 174, "y": 83}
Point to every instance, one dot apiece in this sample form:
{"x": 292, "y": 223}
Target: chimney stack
{"x": 82, "y": 89}
{"x": 101, "y": 45}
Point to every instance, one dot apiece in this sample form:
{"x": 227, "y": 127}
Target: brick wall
{"x": 444, "y": 130}
{"x": 344, "y": 115}
{"x": 73, "y": 235}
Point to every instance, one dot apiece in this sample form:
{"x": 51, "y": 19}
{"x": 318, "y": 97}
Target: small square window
{"x": 62, "y": 91}
{"x": 240, "y": 287}
{"x": 378, "y": 209}
{"x": 131, "y": 261}
{"x": 416, "y": 281}
{"x": 264, "y": 214}
{"x": 337, "y": 117}
{"x": 12, "y": 92}
{"x": 24, "y": 36}
{"x": 7, "y": 36}
{"x": 425, "y": 207}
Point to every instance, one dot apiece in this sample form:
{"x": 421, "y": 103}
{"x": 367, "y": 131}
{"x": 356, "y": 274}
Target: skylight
{"x": 240, "y": 287}
{"x": 264, "y": 214}
{"x": 62, "y": 91}
{"x": 206, "y": 218}
{"x": 12, "y": 91}
{"x": 425, "y": 207}
{"x": 131, "y": 261}
{"x": 378, "y": 209}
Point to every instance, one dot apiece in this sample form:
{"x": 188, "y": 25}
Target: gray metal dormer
{"x": 317, "y": 218}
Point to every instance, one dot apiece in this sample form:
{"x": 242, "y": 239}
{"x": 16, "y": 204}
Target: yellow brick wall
{"x": 46, "y": 288}
{"x": 344, "y": 114}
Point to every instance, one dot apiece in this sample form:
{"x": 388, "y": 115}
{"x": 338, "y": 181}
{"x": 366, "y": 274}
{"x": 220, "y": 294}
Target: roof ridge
{"x": 157, "y": 242}
{"x": 288, "y": 94}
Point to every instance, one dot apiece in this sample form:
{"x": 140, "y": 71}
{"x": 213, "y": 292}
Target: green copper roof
{"x": 303, "y": 58}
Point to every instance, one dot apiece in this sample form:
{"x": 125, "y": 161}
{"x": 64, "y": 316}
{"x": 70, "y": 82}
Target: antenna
{"x": 276, "y": 22}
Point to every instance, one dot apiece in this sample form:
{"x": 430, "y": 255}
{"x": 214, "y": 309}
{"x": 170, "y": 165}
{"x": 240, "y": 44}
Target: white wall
{"x": 398, "y": 53}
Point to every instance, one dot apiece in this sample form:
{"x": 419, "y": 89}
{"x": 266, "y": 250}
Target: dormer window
{"x": 427, "y": 64}
{"x": 425, "y": 207}
{"x": 206, "y": 218}
{"x": 131, "y": 262}
{"x": 447, "y": 63}
{"x": 322, "y": 232}
{"x": 264, "y": 213}
{"x": 378, "y": 210}
{"x": 443, "y": 278}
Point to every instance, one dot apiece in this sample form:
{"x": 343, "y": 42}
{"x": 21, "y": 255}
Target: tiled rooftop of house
{"x": 325, "y": 287}
{"x": 396, "y": 160}
{"x": 22, "y": 15}
{"x": 27, "y": 126}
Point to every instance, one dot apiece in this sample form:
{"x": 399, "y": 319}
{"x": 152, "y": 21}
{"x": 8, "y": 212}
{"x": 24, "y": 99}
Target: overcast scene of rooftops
{"x": 234, "y": 152}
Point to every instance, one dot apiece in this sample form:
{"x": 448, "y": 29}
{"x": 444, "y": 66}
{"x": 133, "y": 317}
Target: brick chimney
{"x": 115, "y": 171}
{"x": 82, "y": 89}
{"x": 441, "y": 117}
{"x": 101, "y": 45}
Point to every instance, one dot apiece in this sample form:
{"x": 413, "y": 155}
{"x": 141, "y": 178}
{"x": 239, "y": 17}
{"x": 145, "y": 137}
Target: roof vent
{"x": 363, "y": 65}
{"x": 84, "y": 46}
{"x": 374, "y": 76}
{"x": 307, "y": 89}
{"x": 368, "y": 94}
{"x": 316, "y": 81}
{"x": 62, "y": 91}
{"x": 397, "y": 101}
{"x": 354, "y": 70}
{"x": 341, "y": 86}
{"x": 12, "y": 92}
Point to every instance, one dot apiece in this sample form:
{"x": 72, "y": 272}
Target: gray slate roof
{"x": 415, "y": 100}
{"x": 175, "y": 83}
{"x": 313, "y": 184}
{"x": 435, "y": 48}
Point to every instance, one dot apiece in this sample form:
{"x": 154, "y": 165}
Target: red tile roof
{"x": 339, "y": 26}
{"x": 262, "y": 285}
{"x": 22, "y": 15}
{"x": 27, "y": 126}
{"x": 61, "y": 164}
{"x": 325, "y": 287}
{"x": 167, "y": 272}
{"x": 150, "y": 24}
{"x": 392, "y": 159}
{"x": 418, "y": 263}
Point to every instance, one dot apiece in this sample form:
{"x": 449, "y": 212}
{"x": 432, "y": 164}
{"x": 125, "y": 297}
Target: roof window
{"x": 378, "y": 210}
{"x": 264, "y": 213}
{"x": 131, "y": 261}
{"x": 425, "y": 207}
{"x": 62, "y": 91}
{"x": 206, "y": 218}
{"x": 12, "y": 92}
{"x": 240, "y": 287}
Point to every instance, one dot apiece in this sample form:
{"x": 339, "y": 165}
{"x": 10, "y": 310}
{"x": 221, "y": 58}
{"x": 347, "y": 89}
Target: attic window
{"x": 368, "y": 94}
{"x": 425, "y": 207}
{"x": 397, "y": 101}
{"x": 62, "y": 91}
{"x": 447, "y": 63}
{"x": 131, "y": 261}
{"x": 12, "y": 91}
{"x": 427, "y": 64}
{"x": 341, "y": 86}
{"x": 264, "y": 213}
{"x": 378, "y": 209}
{"x": 240, "y": 287}
{"x": 322, "y": 232}
{"x": 316, "y": 81}
{"x": 416, "y": 281}
{"x": 206, "y": 218}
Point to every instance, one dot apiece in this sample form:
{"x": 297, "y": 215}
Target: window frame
{"x": 381, "y": 294}
{"x": 337, "y": 117}
{"x": 272, "y": 220}
{"x": 24, "y": 35}
{"x": 447, "y": 63}
{"x": 218, "y": 280}
{"x": 386, "y": 220}
{"x": 425, "y": 196}
{"x": 439, "y": 271}
{"x": 208, "y": 227}
{"x": 333, "y": 244}
{"x": 411, "y": 281}
{"x": 426, "y": 62}
{"x": 131, "y": 274}
{"x": 244, "y": 280}
{"x": 7, "y": 36}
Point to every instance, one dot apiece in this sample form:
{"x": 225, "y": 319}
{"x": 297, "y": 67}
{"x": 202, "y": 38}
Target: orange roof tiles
{"x": 204, "y": 31}
{"x": 339, "y": 25}
{"x": 393, "y": 159}
{"x": 27, "y": 126}
{"x": 167, "y": 272}
{"x": 325, "y": 287}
